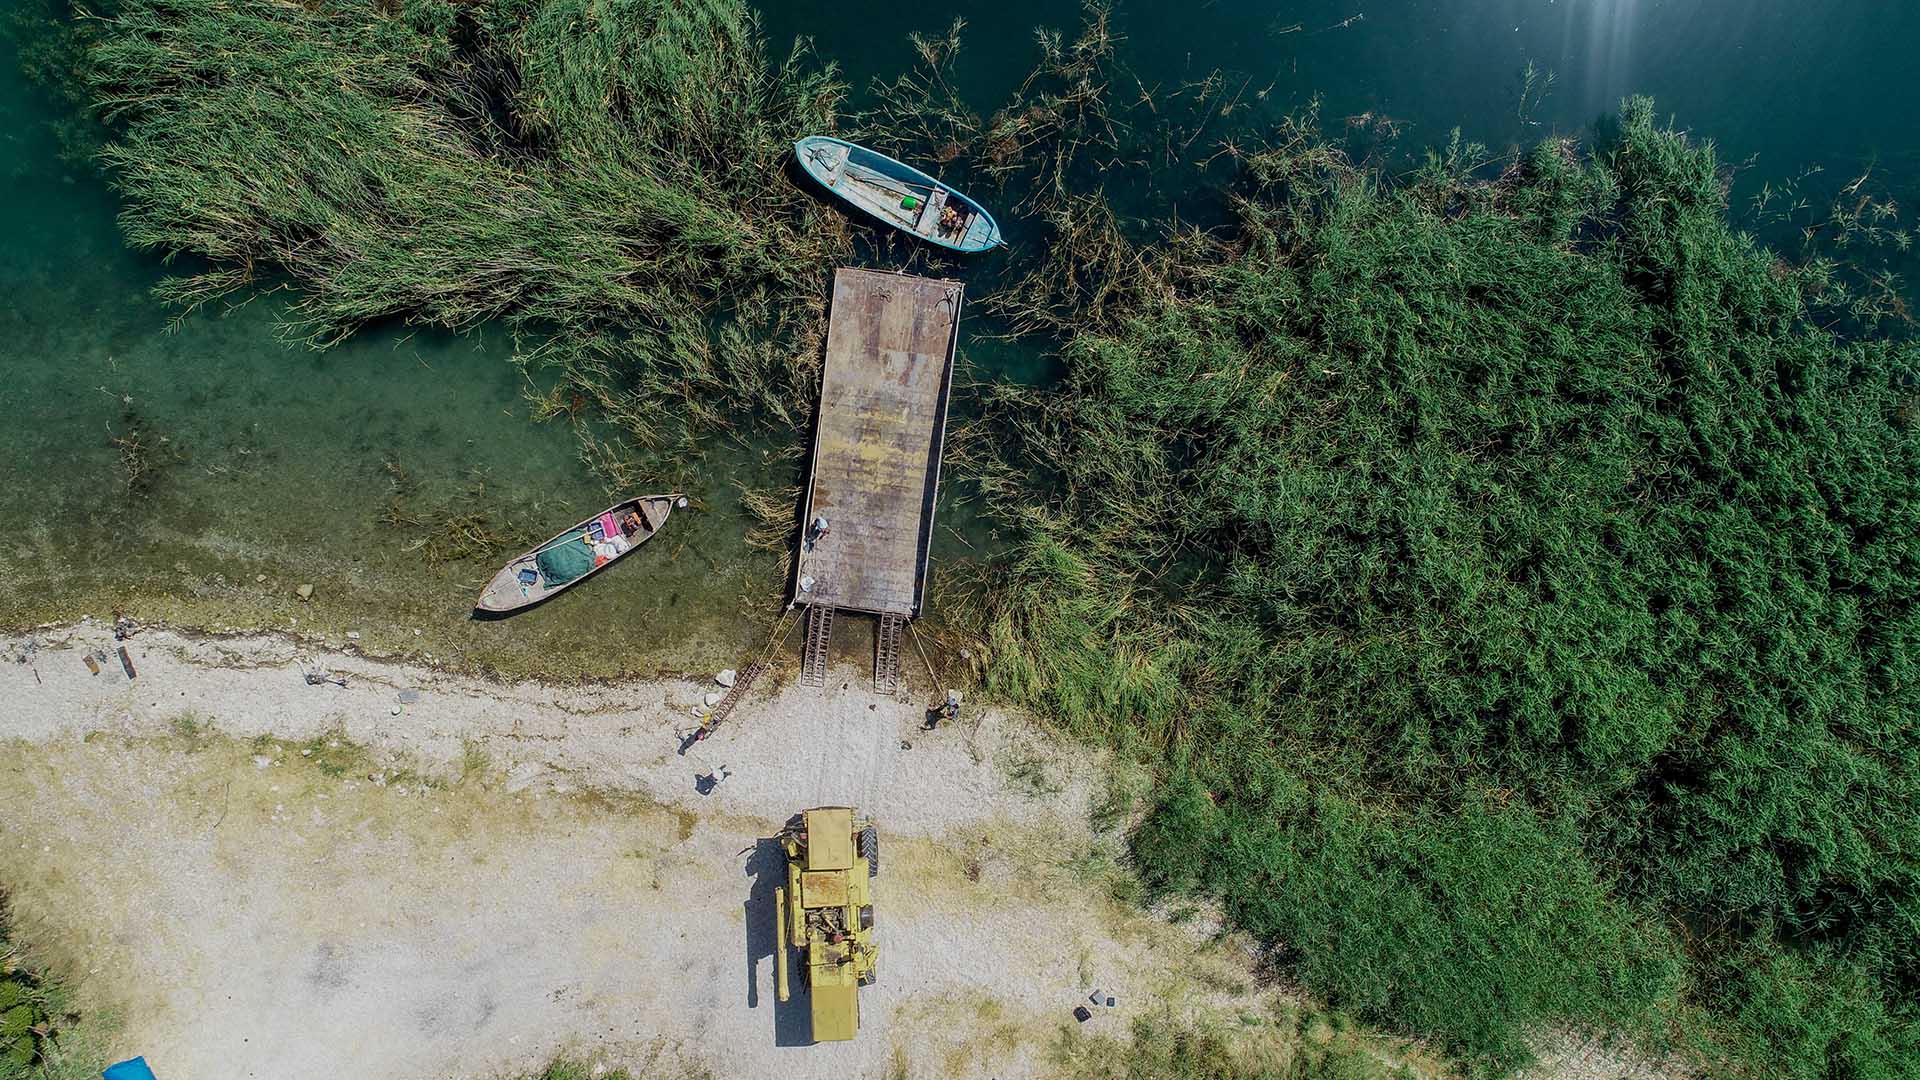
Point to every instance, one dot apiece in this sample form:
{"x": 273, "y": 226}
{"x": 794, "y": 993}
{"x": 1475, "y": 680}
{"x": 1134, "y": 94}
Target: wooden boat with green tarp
{"x": 898, "y": 194}
{"x": 577, "y": 553}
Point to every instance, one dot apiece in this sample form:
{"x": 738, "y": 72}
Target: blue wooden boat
{"x": 898, "y": 194}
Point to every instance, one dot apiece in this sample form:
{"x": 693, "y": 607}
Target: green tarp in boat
{"x": 563, "y": 560}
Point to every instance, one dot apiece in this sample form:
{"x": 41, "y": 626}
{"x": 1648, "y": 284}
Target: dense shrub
{"x": 1472, "y": 922}
{"x": 1517, "y": 568}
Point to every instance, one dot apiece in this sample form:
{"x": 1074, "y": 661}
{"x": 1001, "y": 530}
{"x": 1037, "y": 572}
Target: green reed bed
{"x": 605, "y": 177}
{"x": 1518, "y": 589}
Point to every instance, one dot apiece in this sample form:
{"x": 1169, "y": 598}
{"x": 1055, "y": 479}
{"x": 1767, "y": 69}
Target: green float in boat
{"x": 898, "y": 194}
{"x": 576, "y": 554}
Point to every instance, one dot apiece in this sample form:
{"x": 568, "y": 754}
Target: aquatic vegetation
{"x": 1080, "y": 120}
{"x": 1535, "y": 84}
{"x": 1853, "y": 231}
{"x": 143, "y": 452}
{"x": 467, "y": 526}
{"x": 603, "y": 178}
{"x": 1517, "y": 585}
{"x": 51, "y": 49}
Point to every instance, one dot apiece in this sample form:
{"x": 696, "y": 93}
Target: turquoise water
{"x": 267, "y": 458}
{"x": 272, "y": 458}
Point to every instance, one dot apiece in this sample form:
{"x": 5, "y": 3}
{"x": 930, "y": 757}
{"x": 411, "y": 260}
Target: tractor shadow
{"x": 792, "y": 1023}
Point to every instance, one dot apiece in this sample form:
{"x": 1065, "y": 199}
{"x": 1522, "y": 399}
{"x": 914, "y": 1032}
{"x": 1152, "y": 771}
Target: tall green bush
{"x": 1517, "y": 568}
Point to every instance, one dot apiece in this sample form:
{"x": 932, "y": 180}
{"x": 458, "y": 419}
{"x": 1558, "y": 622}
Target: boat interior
{"x": 523, "y": 581}
{"x": 926, "y": 209}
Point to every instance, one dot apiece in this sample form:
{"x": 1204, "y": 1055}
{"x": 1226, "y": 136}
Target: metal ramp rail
{"x": 724, "y": 707}
{"x": 819, "y": 647}
{"x": 886, "y": 654}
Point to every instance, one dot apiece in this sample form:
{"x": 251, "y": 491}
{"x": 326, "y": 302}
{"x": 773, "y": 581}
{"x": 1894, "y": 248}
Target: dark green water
{"x": 1782, "y": 87}
{"x": 1794, "y": 83}
{"x": 276, "y": 459}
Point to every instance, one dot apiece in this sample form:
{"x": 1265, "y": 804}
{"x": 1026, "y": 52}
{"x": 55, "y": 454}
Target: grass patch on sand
{"x": 43, "y": 1035}
{"x": 1164, "y": 1046}
{"x": 570, "y": 1069}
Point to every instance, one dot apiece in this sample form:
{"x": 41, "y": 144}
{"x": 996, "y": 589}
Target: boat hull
{"x": 507, "y": 593}
{"x": 897, "y": 194}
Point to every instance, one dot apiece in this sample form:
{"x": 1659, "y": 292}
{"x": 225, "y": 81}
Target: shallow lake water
{"x": 269, "y": 458}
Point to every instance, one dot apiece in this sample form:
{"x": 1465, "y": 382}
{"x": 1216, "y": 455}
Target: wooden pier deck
{"x": 876, "y": 451}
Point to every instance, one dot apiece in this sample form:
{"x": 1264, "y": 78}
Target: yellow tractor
{"x": 826, "y": 912}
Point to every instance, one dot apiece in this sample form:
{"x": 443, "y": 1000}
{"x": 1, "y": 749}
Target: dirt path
{"x": 420, "y": 875}
{"x": 507, "y": 873}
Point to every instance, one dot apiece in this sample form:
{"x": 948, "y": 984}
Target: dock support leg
{"x": 819, "y": 647}
{"x": 886, "y": 654}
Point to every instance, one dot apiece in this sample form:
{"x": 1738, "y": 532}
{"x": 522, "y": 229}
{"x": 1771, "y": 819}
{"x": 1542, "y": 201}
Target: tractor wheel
{"x": 870, "y": 847}
{"x": 866, "y": 917}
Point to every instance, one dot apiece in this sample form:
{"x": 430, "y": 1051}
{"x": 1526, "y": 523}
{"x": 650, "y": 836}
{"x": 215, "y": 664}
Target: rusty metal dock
{"x": 876, "y": 454}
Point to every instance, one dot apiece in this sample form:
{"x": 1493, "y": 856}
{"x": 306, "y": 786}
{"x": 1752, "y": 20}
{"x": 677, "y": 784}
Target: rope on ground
{"x": 939, "y": 683}
{"x": 725, "y": 706}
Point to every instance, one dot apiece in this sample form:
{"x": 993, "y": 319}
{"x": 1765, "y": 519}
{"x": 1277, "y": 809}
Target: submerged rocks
{"x": 304, "y": 591}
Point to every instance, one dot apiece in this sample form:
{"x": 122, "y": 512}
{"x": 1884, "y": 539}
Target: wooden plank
{"x": 876, "y": 455}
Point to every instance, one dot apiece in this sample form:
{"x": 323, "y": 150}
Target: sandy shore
{"x": 510, "y": 872}
{"x": 787, "y": 747}
{"x": 425, "y": 875}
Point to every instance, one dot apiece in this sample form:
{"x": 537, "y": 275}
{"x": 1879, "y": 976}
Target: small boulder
{"x": 304, "y": 591}
{"x": 726, "y": 677}
{"x": 712, "y": 700}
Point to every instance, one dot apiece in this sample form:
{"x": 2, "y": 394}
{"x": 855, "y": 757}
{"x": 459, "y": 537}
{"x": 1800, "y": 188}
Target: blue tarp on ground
{"x": 132, "y": 1069}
